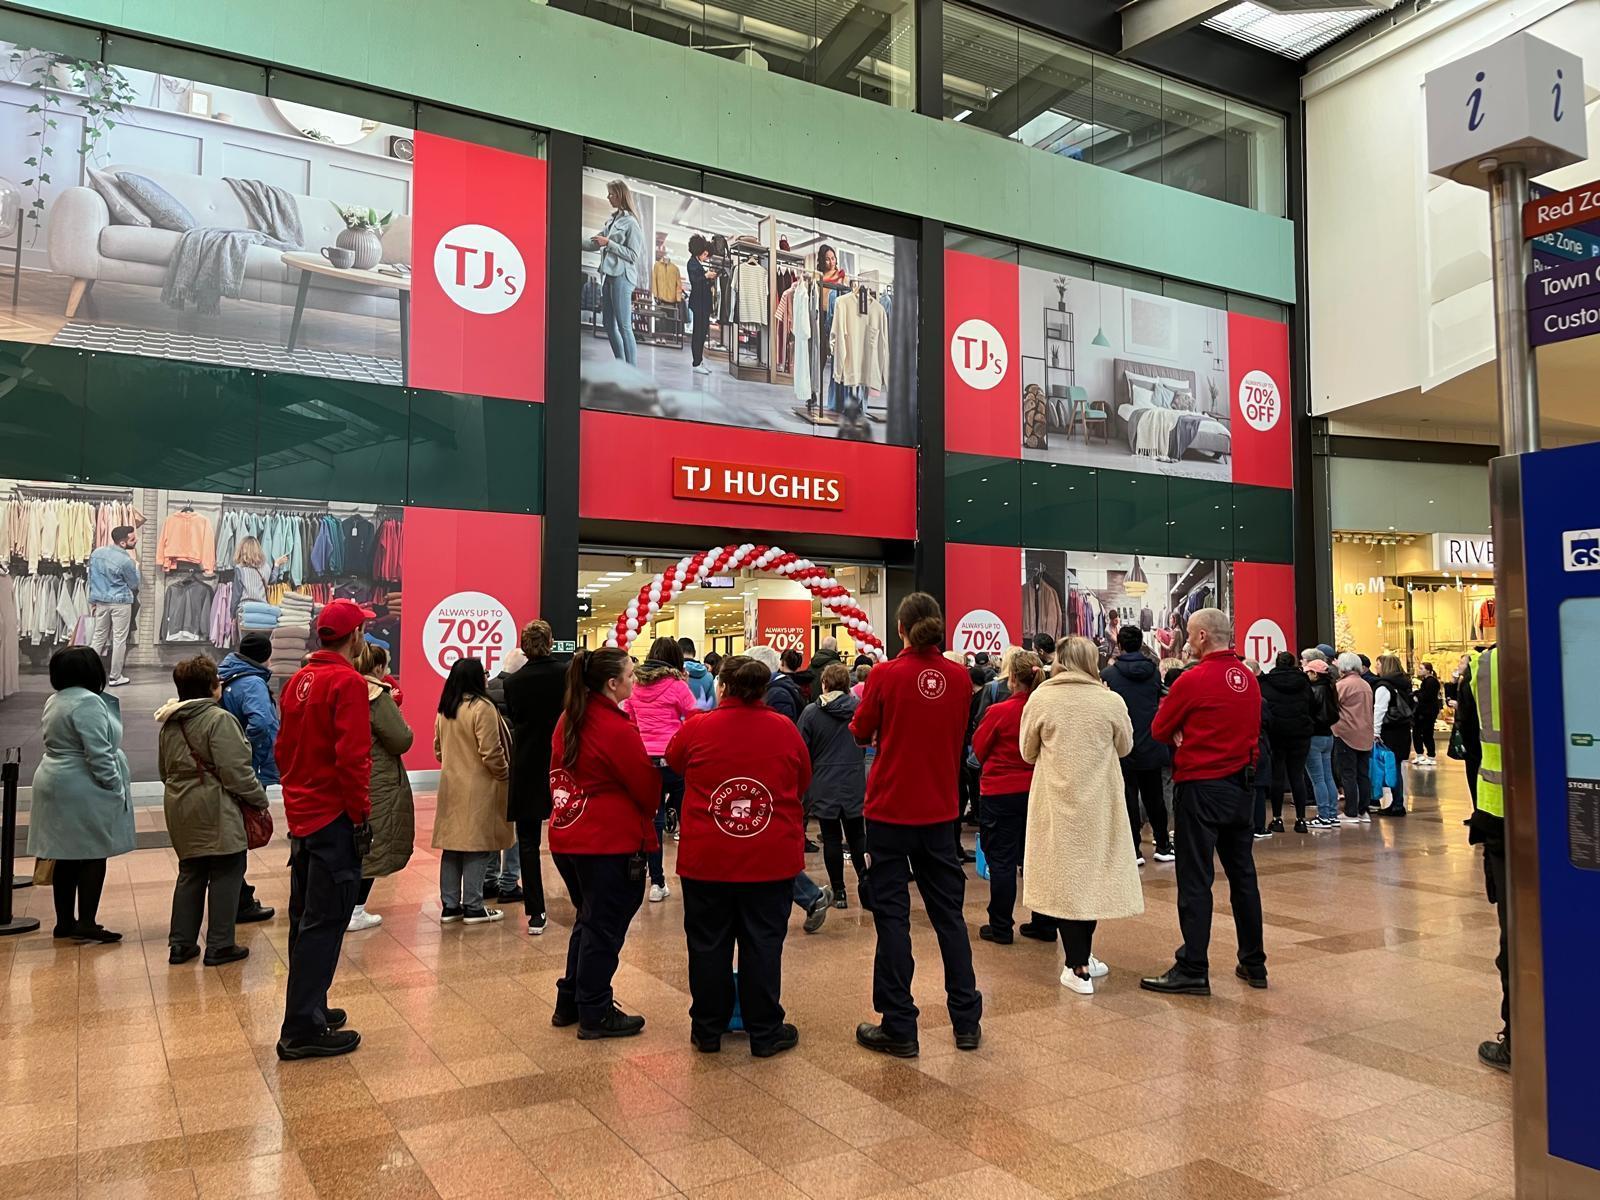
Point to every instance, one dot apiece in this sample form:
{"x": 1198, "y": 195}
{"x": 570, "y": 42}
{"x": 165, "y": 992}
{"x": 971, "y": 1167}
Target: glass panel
{"x": 864, "y": 47}
{"x": 182, "y": 63}
{"x": 328, "y": 439}
{"x": 474, "y": 452}
{"x": 42, "y": 395}
{"x": 980, "y": 500}
{"x": 158, "y": 423}
{"x": 1127, "y": 105}
{"x": 1193, "y": 293}
{"x": 1138, "y": 281}
{"x": 1057, "y": 264}
{"x": 1263, "y": 524}
{"x": 1251, "y": 307}
{"x": 983, "y": 247}
{"x": 981, "y": 70}
{"x": 1194, "y": 142}
{"x": 467, "y": 128}
{"x": 1200, "y": 513}
{"x": 1133, "y": 512}
{"x": 1055, "y": 103}
{"x": 1256, "y": 159}
{"x": 1060, "y": 506}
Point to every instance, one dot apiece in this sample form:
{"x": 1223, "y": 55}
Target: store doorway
{"x": 729, "y": 610}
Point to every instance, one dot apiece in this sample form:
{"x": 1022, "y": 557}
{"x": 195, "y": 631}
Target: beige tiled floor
{"x": 1353, "y": 1078}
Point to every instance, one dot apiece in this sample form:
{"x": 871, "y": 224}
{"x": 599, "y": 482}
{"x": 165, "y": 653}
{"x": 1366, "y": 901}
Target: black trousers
{"x": 1289, "y": 775}
{"x": 697, "y": 340}
{"x": 1143, "y": 784}
{"x": 324, "y": 876}
{"x": 1422, "y": 733}
{"x": 1213, "y": 822}
{"x": 836, "y": 832}
{"x": 671, "y": 797}
{"x": 1399, "y": 742}
{"x": 605, "y": 901}
{"x": 1077, "y": 938}
{"x": 717, "y": 916}
{"x": 77, "y": 884}
{"x": 216, "y": 876}
{"x": 896, "y": 851}
{"x": 247, "y": 895}
{"x": 1350, "y": 766}
{"x": 530, "y": 833}
{"x": 1003, "y": 828}
{"x": 1494, "y": 861}
{"x": 1473, "y": 762}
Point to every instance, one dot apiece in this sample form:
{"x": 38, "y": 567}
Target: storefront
{"x": 1425, "y": 597}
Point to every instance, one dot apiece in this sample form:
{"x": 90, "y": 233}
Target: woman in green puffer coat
{"x": 394, "y": 818}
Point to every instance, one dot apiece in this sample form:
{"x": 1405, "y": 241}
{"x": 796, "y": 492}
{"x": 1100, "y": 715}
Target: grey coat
{"x": 838, "y": 763}
{"x": 207, "y": 772}
{"x": 82, "y": 803}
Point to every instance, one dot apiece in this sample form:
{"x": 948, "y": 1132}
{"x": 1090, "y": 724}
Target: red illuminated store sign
{"x": 741, "y": 483}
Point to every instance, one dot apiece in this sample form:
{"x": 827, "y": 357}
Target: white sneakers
{"x": 1422, "y": 760}
{"x": 659, "y": 892}
{"x": 118, "y": 681}
{"x": 1165, "y": 856}
{"x": 1097, "y": 969}
{"x": 362, "y": 919}
{"x": 1071, "y": 980}
{"x": 702, "y": 369}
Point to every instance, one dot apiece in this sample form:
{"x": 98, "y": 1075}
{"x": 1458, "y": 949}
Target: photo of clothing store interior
{"x": 1392, "y": 591}
{"x": 723, "y": 614}
{"x": 1086, "y": 594}
{"x": 150, "y": 576}
{"x": 699, "y": 307}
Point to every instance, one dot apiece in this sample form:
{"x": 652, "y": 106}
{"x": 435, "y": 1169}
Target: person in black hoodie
{"x": 1287, "y": 692}
{"x": 534, "y": 696}
{"x": 838, "y": 777}
{"x": 1429, "y": 704}
{"x": 1394, "y": 710}
{"x": 1134, "y": 677}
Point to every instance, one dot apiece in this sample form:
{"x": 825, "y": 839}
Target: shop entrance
{"x": 745, "y": 596}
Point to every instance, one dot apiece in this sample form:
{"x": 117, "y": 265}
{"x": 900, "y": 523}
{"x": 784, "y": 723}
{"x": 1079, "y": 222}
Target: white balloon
{"x": 633, "y": 627}
{"x": 633, "y": 605}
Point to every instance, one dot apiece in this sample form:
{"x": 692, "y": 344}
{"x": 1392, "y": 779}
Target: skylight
{"x": 1293, "y": 35}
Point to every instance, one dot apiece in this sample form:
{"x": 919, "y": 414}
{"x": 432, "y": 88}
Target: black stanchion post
{"x": 10, "y": 771}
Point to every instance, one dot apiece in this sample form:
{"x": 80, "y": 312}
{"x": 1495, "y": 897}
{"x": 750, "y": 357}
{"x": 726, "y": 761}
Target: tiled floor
{"x": 1353, "y": 1078}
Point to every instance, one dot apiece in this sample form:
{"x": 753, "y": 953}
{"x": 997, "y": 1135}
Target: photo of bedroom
{"x": 1086, "y": 594}
{"x": 156, "y": 215}
{"x": 1123, "y": 379}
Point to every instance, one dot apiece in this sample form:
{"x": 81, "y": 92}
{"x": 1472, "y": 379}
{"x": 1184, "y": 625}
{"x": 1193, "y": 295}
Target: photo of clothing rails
{"x": 150, "y": 576}
{"x": 1082, "y": 593}
{"x": 699, "y": 307}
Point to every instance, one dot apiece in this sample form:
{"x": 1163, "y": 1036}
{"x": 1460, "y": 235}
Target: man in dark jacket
{"x": 1287, "y": 691}
{"x": 534, "y": 696}
{"x": 784, "y": 695}
{"x": 245, "y": 678}
{"x": 1136, "y": 679}
{"x": 827, "y": 653}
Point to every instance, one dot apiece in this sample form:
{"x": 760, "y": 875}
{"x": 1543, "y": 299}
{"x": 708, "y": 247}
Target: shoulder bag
{"x": 257, "y": 821}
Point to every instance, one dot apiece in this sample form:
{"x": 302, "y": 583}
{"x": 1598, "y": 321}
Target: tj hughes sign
{"x": 743, "y": 483}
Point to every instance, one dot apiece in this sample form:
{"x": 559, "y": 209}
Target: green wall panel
{"x": 543, "y": 67}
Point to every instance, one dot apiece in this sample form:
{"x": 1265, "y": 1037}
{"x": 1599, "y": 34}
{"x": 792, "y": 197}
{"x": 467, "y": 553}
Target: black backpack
{"x": 1401, "y": 709}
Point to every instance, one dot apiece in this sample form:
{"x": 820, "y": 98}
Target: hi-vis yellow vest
{"x": 1486, "y": 688}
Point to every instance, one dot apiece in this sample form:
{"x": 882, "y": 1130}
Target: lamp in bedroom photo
{"x": 1137, "y": 583}
{"x": 1099, "y": 338}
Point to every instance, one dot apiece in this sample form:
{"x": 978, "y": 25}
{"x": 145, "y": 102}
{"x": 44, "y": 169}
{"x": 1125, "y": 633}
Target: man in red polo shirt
{"x": 1212, "y": 715}
{"x": 324, "y": 754}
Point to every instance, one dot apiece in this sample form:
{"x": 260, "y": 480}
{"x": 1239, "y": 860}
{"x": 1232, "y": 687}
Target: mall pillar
{"x": 692, "y": 624}
{"x": 928, "y": 559}
{"x": 558, "y": 566}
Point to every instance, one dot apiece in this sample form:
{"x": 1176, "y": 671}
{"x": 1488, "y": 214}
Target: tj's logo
{"x": 479, "y": 268}
{"x": 978, "y": 353}
{"x": 1475, "y": 105}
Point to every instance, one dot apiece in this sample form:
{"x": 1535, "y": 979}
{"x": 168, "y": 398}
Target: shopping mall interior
{"x": 1228, "y": 354}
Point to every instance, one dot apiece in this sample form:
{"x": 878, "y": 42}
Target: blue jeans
{"x": 506, "y": 868}
{"x": 1319, "y": 765}
{"x": 616, "y": 313}
{"x": 806, "y": 893}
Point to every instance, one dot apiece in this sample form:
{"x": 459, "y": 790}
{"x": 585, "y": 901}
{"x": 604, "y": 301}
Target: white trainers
{"x": 1097, "y": 969}
{"x": 659, "y": 892}
{"x": 536, "y": 925}
{"x": 702, "y": 369}
{"x": 1165, "y": 856}
{"x": 1072, "y": 980}
{"x": 118, "y": 681}
{"x": 362, "y": 919}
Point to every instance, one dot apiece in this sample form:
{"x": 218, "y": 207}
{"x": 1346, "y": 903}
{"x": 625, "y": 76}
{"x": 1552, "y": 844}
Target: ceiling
{"x": 1295, "y": 35}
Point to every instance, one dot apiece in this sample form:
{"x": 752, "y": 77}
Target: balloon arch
{"x": 695, "y": 568}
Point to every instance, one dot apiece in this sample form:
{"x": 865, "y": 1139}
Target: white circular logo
{"x": 1264, "y": 641}
{"x": 1260, "y": 402}
{"x": 978, "y": 353}
{"x": 981, "y": 632}
{"x": 479, "y": 268}
{"x": 567, "y": 799}
{"x": 930, "y": 684}
{"x": 741, "y": 807}
{"x": 468, "y": 625}
{"x": 1238, "y": 679}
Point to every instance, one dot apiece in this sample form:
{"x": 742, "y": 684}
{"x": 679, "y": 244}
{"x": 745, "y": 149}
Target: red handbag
{"x": 257, "y": 821}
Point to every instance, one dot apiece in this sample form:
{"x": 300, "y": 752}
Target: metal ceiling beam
{"x": 1146, "y": 21}
{"x": 1027, "y": 98}
{"x": 847, "y": 43}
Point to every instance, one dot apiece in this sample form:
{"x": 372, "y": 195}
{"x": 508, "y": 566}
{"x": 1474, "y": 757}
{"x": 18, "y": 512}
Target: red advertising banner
{"x": 982, "y": 388}
{"x": 1263, "y": 610}
{"x": 983, "y": 597}
{"x": 743, "y": 483}
{"x": 1258, "y": 380}
{"x": 784, "y": 625}
{"x": 478, "y": 270}
{"x": 629, "y": 474}
{"x": 472, "y": 582}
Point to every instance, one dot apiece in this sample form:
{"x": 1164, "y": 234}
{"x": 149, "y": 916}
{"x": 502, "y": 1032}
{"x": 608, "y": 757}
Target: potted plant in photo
{"x": 363, "y": 235}
{"x": 101, "y": 93}
{"x": 1061, "y": 292}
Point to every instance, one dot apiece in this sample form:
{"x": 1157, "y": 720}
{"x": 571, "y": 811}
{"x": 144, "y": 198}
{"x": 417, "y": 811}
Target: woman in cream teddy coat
{"x": 1078, "y": 866}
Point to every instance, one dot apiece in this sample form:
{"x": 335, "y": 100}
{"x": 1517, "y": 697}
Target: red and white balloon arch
{"x": 693, "y": 569}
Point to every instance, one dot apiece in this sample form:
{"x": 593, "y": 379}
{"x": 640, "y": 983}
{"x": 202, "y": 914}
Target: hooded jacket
{"x": 822, "y": 659}
{"x": 394, "y": 818}
{"x": 1287, "y": 692}
{"x": 207, "y": 773}
{"x": 784, "y": 696}
{"x": 534, "y": 695}
{"x": 245, "y": 695}
{"x": 660, "y": 703}
{"x": 1138, "y": 681}
{"x": 838, "y": 763}
{"x": 701, "y": 684}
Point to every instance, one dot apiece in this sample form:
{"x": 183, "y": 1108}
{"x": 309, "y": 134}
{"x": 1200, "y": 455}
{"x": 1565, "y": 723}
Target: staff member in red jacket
{"x": 1003, "y": 788}
{"x": 603, "y": 796}
{"x": 917, "y": 706}
{"x": 745, "y": 769}
{"x": 324, "y": 755}
{"x": 1212, "y": 715}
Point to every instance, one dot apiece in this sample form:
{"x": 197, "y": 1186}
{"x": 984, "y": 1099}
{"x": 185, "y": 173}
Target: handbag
{"x": 44, "y": 872}
{"x": 257, "y": 821}
{"x": 1457, "y": 749}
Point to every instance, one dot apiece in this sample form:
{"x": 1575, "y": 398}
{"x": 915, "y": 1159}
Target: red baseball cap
{"x": 342, "y": 617}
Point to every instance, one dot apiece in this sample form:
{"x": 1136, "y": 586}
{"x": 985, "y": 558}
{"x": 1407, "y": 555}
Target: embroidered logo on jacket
{"x": 741, "y": 806}
{"x": 567, "y": 799}
{"x": 930, "y": 684}
{"x": 1238, "y": 679}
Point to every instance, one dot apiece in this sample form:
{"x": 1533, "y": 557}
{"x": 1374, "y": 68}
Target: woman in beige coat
{"x": 470, "y": 825}
{"x": 1078, "y": 866}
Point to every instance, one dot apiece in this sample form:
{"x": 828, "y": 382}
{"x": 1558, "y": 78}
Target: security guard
{"x": 1488, "y": 829}
{"x": 1212, "y": 714}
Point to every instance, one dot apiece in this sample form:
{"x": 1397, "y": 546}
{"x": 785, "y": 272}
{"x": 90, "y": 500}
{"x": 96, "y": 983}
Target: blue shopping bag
{"x": 736, "y": 1022}
{"x": 982, "y": 864}
{"x": 1383, "y": 771}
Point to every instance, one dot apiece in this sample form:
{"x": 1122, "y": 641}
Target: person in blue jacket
{"x": 701, "y": 682}
{"x": 245, "y": 676}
